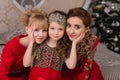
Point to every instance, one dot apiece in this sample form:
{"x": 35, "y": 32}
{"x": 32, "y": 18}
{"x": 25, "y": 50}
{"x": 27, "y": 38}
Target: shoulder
{"x": 14, "y": 42}
{"x": 93, "y": 39}
{"x": 91, "y": 36}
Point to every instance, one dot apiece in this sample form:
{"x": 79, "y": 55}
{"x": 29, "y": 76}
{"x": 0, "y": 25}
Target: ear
{"x": 87, "y": 29}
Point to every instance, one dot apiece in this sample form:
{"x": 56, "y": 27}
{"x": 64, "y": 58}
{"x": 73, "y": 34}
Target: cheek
{"x": 45, "y": 36}
{"x": 62, "y": 34}
{"x": 67, "y": 31}
{"x": 49, "y": 31}
{"x": 78, "y": 33}
{"x": 81, "y": 31}
{"x": 34, "y": 34}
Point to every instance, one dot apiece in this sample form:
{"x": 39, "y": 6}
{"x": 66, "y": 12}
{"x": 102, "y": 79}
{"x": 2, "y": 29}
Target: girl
{"x": 48, "y": 57}
{"x": 11, "y": 67}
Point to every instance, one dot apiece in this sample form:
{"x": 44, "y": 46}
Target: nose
{"x": 56, "y": 31}
{"x": 40, "y": 33}
{"x": 71, "y": 30}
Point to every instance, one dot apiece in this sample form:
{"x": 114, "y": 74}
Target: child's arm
{"x": 28, "y": 58}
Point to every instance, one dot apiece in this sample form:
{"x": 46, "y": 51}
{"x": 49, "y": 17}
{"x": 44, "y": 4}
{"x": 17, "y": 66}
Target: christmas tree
{"x": 106, "y": 21}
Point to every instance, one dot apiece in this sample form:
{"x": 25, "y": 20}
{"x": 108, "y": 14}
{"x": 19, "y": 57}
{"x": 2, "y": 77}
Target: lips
{"x": 39, "y": 39}
{"x": 56, "y": 36}
{"x": 71, "y": 36}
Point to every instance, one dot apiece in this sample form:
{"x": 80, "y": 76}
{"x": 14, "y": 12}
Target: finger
{"x": 83, "y": 35}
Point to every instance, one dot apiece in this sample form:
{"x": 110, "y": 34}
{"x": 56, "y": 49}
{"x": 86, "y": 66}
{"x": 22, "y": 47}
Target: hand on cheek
{"x": 79, "y": 39}
{"x": 30, "y": 32}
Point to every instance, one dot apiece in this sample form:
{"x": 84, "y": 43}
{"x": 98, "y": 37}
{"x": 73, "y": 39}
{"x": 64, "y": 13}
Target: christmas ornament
{"x": 103, "y": 2}
{"x": 116, "y": 48}
{"x": 112, "y": 6}
{"x": 117, "y": 24}
{"x": 116, "y": 39}
{"x": 107, "y": 10}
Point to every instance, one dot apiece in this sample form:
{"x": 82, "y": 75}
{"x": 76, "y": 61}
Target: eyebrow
{"x": 77, "y": 25}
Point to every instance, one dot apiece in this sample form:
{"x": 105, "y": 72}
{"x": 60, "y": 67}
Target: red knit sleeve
{"x": 7, "y": 58}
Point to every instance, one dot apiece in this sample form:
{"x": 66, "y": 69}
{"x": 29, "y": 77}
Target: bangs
{"x": 43, "y": 24}
{"x": 40, "y": 23}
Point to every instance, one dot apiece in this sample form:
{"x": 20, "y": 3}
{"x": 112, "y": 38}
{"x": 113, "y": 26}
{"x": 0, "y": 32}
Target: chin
{"x": 71, "y": 39}
{"x": 39, "y": 42}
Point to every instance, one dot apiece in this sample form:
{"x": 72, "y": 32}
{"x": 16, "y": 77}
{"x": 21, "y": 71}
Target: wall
{"x": 10, "y": 12}
{"x": 51, "y": 5}
{"x": 9, "y": 16}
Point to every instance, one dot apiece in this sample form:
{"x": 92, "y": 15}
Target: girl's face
{"x": 75, "y": 28}
{"x": 39, "y": 34}
{"x": 56, "y": 31}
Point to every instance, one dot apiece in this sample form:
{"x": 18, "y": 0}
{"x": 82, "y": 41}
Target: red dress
{"x": 87, "y": 68}
{"x": 47, "y": 63}
{"x": 12, "y": 60}
{"x": 44, "y": 74}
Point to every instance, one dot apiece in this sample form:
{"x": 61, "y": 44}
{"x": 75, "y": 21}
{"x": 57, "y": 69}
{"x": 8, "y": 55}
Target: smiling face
{"x": 75, "y": 28}
{"x": 56, "y": 31}
{"x": 78, "y": 22}
{"x": 40, "y": 33}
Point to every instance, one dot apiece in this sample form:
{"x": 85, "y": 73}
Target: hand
{"x": 30, "y": 31}
{"x": 79, "y": 39}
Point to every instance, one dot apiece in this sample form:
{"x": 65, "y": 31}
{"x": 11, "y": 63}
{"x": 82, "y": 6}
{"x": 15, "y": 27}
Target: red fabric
{"x": 96, "y": 73}
{"x": 79, "y": 74}
{"x": 0, "y": 58}
{"x": 12, "y": 58}
{"x": 44, "y": 74}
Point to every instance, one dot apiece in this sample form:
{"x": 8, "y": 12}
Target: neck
{"x": 24, "y": 41}
{"x": 52, "y": 43}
